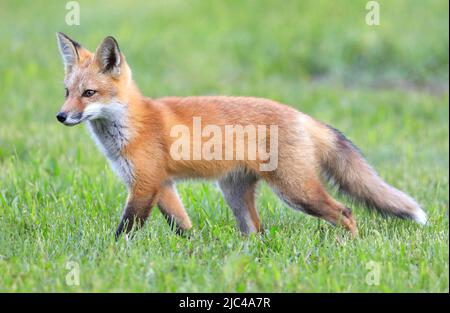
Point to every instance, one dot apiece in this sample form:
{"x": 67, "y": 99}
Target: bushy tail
{"x": 342, "y": 162}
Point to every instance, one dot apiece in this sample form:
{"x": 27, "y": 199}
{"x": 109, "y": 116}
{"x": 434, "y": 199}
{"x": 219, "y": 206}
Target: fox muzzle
{"x": 69, "y": 119}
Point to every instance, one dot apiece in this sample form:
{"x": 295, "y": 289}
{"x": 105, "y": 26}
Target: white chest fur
{"x": 111, "y": 136}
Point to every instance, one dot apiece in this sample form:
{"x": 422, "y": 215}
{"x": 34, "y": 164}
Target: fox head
{"x": 96, "y": 84}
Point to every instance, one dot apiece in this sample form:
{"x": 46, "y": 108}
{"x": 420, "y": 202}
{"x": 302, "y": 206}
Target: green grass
{"x": 385, "y": 87}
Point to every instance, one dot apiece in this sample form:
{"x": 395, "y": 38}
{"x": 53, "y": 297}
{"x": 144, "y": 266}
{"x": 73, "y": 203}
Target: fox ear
{"x": 69, "y": 51}
{"x": 108, "y": 56}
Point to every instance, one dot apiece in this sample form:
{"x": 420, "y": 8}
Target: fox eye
{"x": 66, "y": 94}
{"x": 88, "y": 93}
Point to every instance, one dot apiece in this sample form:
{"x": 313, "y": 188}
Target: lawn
{"x": 385, "y": 87}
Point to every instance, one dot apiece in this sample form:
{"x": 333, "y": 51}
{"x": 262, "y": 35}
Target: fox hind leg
{"x": 308, "y": 195}
{"x": 238, "y": 189}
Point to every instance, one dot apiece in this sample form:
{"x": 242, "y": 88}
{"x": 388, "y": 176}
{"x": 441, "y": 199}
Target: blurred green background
{"x": 385, "y": 87}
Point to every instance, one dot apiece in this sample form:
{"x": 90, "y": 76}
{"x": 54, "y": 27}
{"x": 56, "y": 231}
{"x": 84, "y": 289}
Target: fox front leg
{"x": 136, "y": 211}
{"x": 173, "y": 210}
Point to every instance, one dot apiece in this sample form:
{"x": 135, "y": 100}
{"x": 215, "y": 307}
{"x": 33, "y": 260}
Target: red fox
{"x": 137, "y": 136}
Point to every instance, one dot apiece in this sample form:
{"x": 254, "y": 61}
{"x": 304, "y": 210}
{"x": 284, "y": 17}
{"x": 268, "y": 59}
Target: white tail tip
{"x": 420, "y": 217}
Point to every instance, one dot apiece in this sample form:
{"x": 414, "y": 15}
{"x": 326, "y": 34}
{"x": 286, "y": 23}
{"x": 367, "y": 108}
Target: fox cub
{"x": 142, "y": 139}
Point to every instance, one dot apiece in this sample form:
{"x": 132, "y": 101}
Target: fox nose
{"x": 61, "y": 116}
